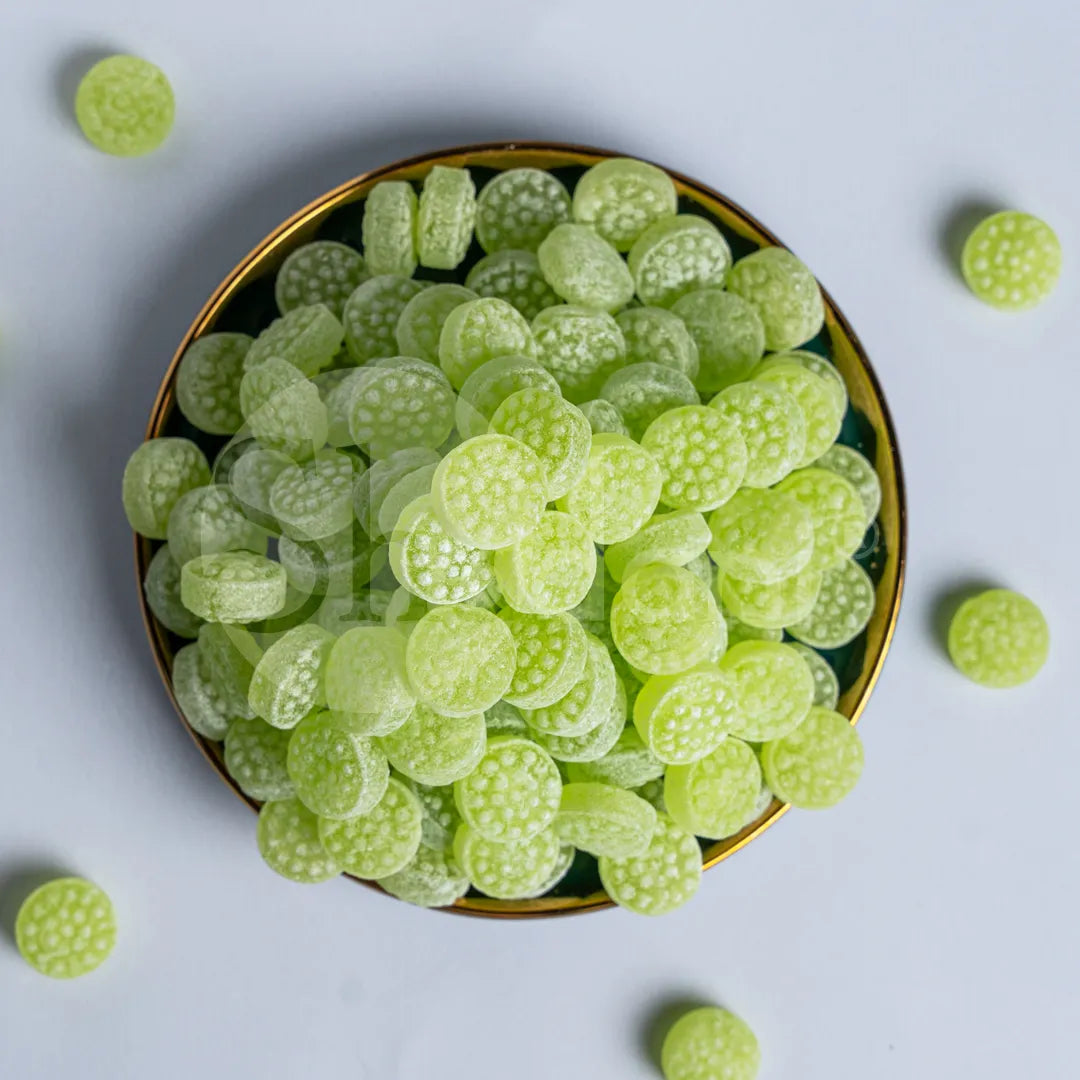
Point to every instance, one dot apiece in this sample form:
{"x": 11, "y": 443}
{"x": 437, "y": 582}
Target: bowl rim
{"x": 347, "y": 192}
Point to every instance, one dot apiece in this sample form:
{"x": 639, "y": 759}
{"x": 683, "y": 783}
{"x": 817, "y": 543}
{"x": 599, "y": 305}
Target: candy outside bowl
{"x": 245, "y": 302}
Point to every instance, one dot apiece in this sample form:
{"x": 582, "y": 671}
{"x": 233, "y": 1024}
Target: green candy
{"x": 208, "y": 382}
{"x": 365, "y": 673}
{"x": 389, "y": 228}
{"x": 374, "y": 485}
{"x": 204, "y": 707}
{"x": 643, "y": 392}
{"x": 372, "y": 313}
{"x": 822, "y": 412}
{"x": 841, "y": 611}
{"x": 816, "y": 765}
{"x": 491, "y": 384}
{"x": 584, "y": 269}
{"x": 444, "y": 224}
{"x": 815, "y": 364}
{"x": 772, "y": 426}
{"x": 156, "y": 476}
{"x": 232, "y": 587}
{"x": 421, "y": 320}
{"x": 551, "y": 569}
{"x": 380, "y": 842}
{"x": 518, "y": 208}
{"x": 586, "y": 704}
{"x": 550, "y": 655}
{"x": 66, "y": 928}
{"x": 653, "y": 793}
{"x": 675, "y": 539}
{"x": 837, "y": 512}
{"x": 637, "y": 884}
{"x": 605, "y": 820}
{"x": 503, "y": 719}
{"x": 621, "y": 197}
{"x": 322, "y": 272}
{"x": 161, "y": 587}
{"x": 287, "y": 682}
{"x": 709, "y": 1044}
{"x": 681, "y": 718}
{"x": 580, "y": 346}
{"x": 772, "y": 688}
{"x": 513, "y": 276}
{"x": 717, "y": 795}
{"x": 1011, "y": 260}
{"x": 338, "y": 565}
{"x": 604, "y": 418}
{"x": 125, "y": 106}
{"x": 251, "y": 479}
{"x": 678, "y": 255}
{"x": 288, "y": 838}
{"x": 209, "y": 520}
{"x": 847, "y": 462}
{"x": 728, "y": 333}
{"x": 478, "y": 331}
{"x": 255, "y": 757}
{"x": 439, "y": 814}
{"x": 283, "y": 409}
{"x": 230, "y": 654}
{"x": 315, "y": 501}
{"x": 771, "y": 607}
{"x": 762, "y": 535}
{"x": 999, "y": 638}
{"x": 657, "y": 336}
{"x": 826, "y": 684}
{"x": 783, "y": 292}
{"x": 307, "y": 337}
{"x": 432, "y": 879}
{"x": 594, "y": 743}
{"x": 435, "y": 749}
{"x": 628, "y": 764}
{"x": 514, "y": 871}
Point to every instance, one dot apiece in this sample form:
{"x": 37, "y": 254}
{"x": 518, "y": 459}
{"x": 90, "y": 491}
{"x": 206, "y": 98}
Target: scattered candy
{"x": 678, "y": 255}
{"x": 584, "y": 269}
{"x": 389, "y": 228}
{"x": 322, "y": 272}
{"x": 381, "y": 841}
{"x": 998, "y": 638}
{"x": 315, "y": 501}
{"x": 1012, "y": 260}
{"x": 447, "y": 212}
{"x": 255, "y": 757}
{"x": 208, "y": 382}
{"x": 513, "y": 276}
{"x": 783, "y": 292}
{"x": 655, "y": 335}
{"x": 772, "y": 687}
{"x": 662, "y": 878}
{"x": 817, "y": 764}
{"x": 125, "y": 106}
{"x": 66, "y": 928}
{"x": 288, "y": 838}
{"x": 435, "y": 749}
{"x": 841, "y": 611}
{"x": 717, "y": 795}
{"x": 710, "y": 1043}
{"x": 156, "y": 476}
{"x": 621, "y": 197}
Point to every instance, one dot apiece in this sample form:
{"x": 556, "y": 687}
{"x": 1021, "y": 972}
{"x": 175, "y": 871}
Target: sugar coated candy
{"x": 999, "y": 638}
{"x": 125, "y": 106}
{"x": 66, "y": 928}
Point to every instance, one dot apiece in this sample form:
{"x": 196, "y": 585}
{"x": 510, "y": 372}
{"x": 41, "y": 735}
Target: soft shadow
{"x": 70, "y": 71}
{"x": 947, "y": 602}
{"x": 957, "y": 224}
{"x": 17, "y": 882}
{"x": 657, "y": 1021}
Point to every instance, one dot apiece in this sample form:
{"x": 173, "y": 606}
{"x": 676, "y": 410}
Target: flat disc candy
{"x": 681, "y": 718}
{"x": 283, "y": 409}
{"x": 587, "y": 702}
{"x": 642, "y": 392}
{"x": 772, "y": 426}
{"x": 162, "y": 590}
{"x": 232, "y": 587}
{"x": 491, "y": 384}
{"x": 826, "y": 684}
{"x": 371, "y": 315}
{"x": 628, "y": 764}
{"x": 478, "y": 331}
{"x": 659, "y": 880}
{"x": 322, "y": 272}
{"x": 728, "y": 333}
{"x": 604, "y": 418}
{"x": 822, "y": 411}
{"x": 374, "y": 485}
{"x": 288, "y": 680}
{"x": 710, "y": 1044}
{"x": 389, "y": 228}
{"x": 814, "y": 363}
{"x": 444, "y": 225}
{"x": 518, "y": 208}
{"x": 308, "y": 337}
{"x": 255, "y": 757}
{"x": 66, "y": 928}
{"x": 817, "y": 764}
{"x": 513, "y": 871}
{"x": 435, "y": 749}
{"x": 380, "y": 842}
{"x": 208, "y": 382}
{"x": 594, "y": 743}
{"x": 676, "y": 539}
{"x": 999, "y": 638}
{"x": 421, "y": 320}
{"x": 204, "y": 707}
{"x": 252, "y": 478}
{"x": 551, "y": 569}
{"x": 584, "y": 269}
{"x": 847, "y": 462}
{"x": 783, "y": 292}
{"x": 762, "y": 535}
{"x": 657, "y": 336}
{"x": 605, "y": 820}
{"x": 678, "y": 255}
{"x": 837, "y": 513}
{"x": 772, "y": 688}
{"x": 230, "y": 654}
{"x": 288, "y": 837}
{"x": 842, "y": 610}
{"x": 771, "y": 607}
{"x": 315, "y": 501}
{"x": 125, "y": 106}
{"x": 432, "y": 879}
{"x": 581, "y": 347}
{"x": 209, "y": 520}
{"x": 513, "y": 276}
{"x": 157, "y": 474}
{"x": 365, "y": 673}
{"x": 621, "y": 197}
{"x": 551, "y": 651}
{"x": 1012, "y": 260}
{"x": 717, "y": 795}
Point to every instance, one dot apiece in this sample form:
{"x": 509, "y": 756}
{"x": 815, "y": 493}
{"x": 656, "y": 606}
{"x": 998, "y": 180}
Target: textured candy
{"x": 371, "y": 315}
{"x": 508, "y": 871}
{"x": 656, "y": 336}
{"x": 772, "y": 688}
{"x": 642, "y": 392}
{"x": 628, "y": 764}
{"x": 847, "y": 462}
{"x": 432, "y": 748}
{"x": 653, "y": 793}
{"x": 491, "y": 384}
{"x": 204, "y": 707}
{"x": 837, "y": 513}
{"x": 550, "y": 655}
{"x": 783, "y": 292}
{"x": 432, "y": 879}
{"x": 125, "y": 106}
{"x": 605, "y": 820}
{"x": 584, "y": 269}
{"x": 594, "y": 743}
{"x": 1011, "y": 260}
{"x": 678, "y": 255}
{"x": 586, "y": 704}
{"x": 772, "y": 426}
{"x": 438, "y": 811}
{"x": 674, "y": 539}
{"x": 817, "y": 764}
{"x": 421, "y": 320}
{"x": 503, "y": 719}
{"x": 821, "y": 410}
{"x": 710, "y": 1043}
{"x": 389, "y": 228}
{"x": 604, "y": 418}
{"x": 814, "y": 363}
{"x": 156, "y": 476}
{"x": 551, "y": 569}
{"x": 162, "y": 590}
{"x": 762, "y": 535}
{"x": 255, "y": 756}
{"x": 208, "y": 520}
{"x": 621, "y": 197}
{"x": 478, "y": 331}
{"x": 412, "y": 486}
{"x": 337, "y": 565}
{"x": 683, "y": 717}
{"x": 315, "y": 501}
{"x": 380, "y": 842}
{"x": 232, "y": 587}
{"x": 444, "y": 224}
{"x": 339, "y": 614}
{"x": 374, "y": 485}
{"x": 998, "y": 638}
{"x": 518, "y": 208}
{"x": 826, "y": 684}
{"x": 728, "y": 333}
{"x": 288, "y": 838}
{"x": 208, "y": 382}
{"x": 716, "y": 795}
{"x": 581, "y": 347}
{"x": 513, "y": 276}
{"x": 841, "y": 611}
{"x": 307, "y": 337}
{"x": 365, "y": 673}
{"x": 321, "y": 272}
{"x": 662, "y": 878}
{"x": 230, "y": 654}
{"x": 251, "y": 479}
{"x": 66, "y": 928}
{"x": 283, "y": 409}
{"x": 288, "y": 680}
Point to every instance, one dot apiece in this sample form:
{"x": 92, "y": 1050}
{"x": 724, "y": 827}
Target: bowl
{"x": 245, "y": 302}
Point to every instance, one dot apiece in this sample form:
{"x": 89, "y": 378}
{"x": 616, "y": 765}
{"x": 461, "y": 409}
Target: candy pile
{"x": 496, "y": 572}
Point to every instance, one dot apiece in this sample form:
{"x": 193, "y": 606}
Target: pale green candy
{"x": 239, "y": 446}
{"x": 826, "y": 684}
{"x": 513, "y": 276}
{"x": 374, "y": 485}
{"x": 503, "y": 719}
{"x": 847, "y": 462}
{"x": 232, "y": 587}
{"x": 337, "y": 565}
{"x": 821, "y": 411}
{"x": 586, "y": 704}
{"x": 643, "y": 392}
{"x": 288, "y": 838}
{"x": 255, "y": 755}
{"x": 432, "y": 879}
{"x": 252, "y": 477}
{"x": 66, "y": 928}
{"x": 815, "y": 766}
{"x": 372, "y": 313}
{"x": 478, "y": 331}
{"x": 288, "y": 680}
{"x": 299, "y": 608}
{"x": 739, "y": 631}
{"x": 681, "y": 718}
{"x": 439, "y": 814}
{"x": 208, "y": 382}
{"x": 490, "y": 491}
{"x": 315, "y": 501}
{"x": 558, "y": 872}
{"x": 676, "y": 256}
{"x": 156, "y": 476}
{"x": 662, "y": 878}
{"x": 594, "y": 743}
{"x": 405, "y": 610}
{"x": 491, "y": 384}
{"x": 702, "y": 568}
{"x": 551, "y": 569}
{"x": 584, "y": 269}
{"x": 710, "y": 1044}
{"x": 813, "y": 363}
{"x": 770, "y": 607}
{"x": 339, "y": 614}
{"x": 283, "y": 409}
{"x": 444, "y": 225}
{"x": 837, "y": 512}
{"x": 161, "y": 587}
{"x": 728, "y": 333}
{"x": 230, "y": 654}
{"x": 204, "y": 707}
{"x": 664, "y": 620}
{"x": 675, "y": 539}
{"x": 550, "y": 656}
{"x": 842, "y": 610}
{"x": 580, "y": 347}
{"x": 389, "y": 228}
{"x": 783, "y": 292}
{"x": 1011, "y": 260}
{"x": 365, "y": 673}
{"x": 628, "y": 764}
{"x": 125, "y": 106}
{"x": 771, "y": 424}
{"x": 518, "y": 208}
{"x": 621, "y": 197}
{"x": 762, "y": 535}
{"x": 412, "y": 486}
{"x": 604, "y": 418}
{"x": 308, "y": 337}
{"x": 772, "y": 686}
{"x": 209, "y": 520}
{"x": 421, "y": 320}
{"x": 433, "y": 748}
{"x": 657, "y": 336}
{"x": 605, "y": 820}
{"x": 321, "y": 272}
{"x": 998, "y": 638}
{"x": 619, "y": 491}
{"x": 653, "y": 793}
{"x": 380, "y": 842}
{"x": 508, "y": 871}
{"x": 702, "y": 456}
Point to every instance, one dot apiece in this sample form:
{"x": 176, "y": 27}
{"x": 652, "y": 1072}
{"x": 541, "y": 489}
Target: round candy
{"x": 380, "y": 842}
{"x": 371, "y": 315}
{"x": 444, "y": 225}
{"x": 162, "y": 590}
{"x": 478, "y": 331}
{"x": 508, "y": 871}
{"x": 208, "y": 382}
{"x": 125, "y": 106}
{"x": 772, "y": 426}
{"x": 208, "y": 520}
{"x": 837, "y": 513}
{"x": 657, "y": 336}
{"x": 204, "y": 708}
{"x": 491, "y": 384}
{"x": 817, "y": 764}
{"x": 783, "y": 292}
{"x": 585, "y": 269}
{"x": 513, "y": 276}
{"x": 594, "y": 743}
{"x": 643, "y": 392}
{"x": 999, "y": 638}
{"x": 432, "y": 879}
{"x": 604, "y": 418}
{"x": 308, "y": 337}
{"x": 580, "y": 347}
{"x": 232, "y": 587}
{"x": 66, "y": 928}
{"x": 621, "y": 197}
{"x": 389, "y": 228}
{"x": 1012, "y": 260}
{"x": 771, "y": 607}
{"x": 283, "y": 409}
{"x": 322, "y": 272}
{"x": 586, "y": 704}
{"x": 762, "y": 535}
{"x": 365, "y": 672}
{"x": 709, "y": 1044}
{"x": 716, "y": 795}
{"x": 551, "y": 569}
{"x": 503, "y": 719}
{"x": 847, "y": 462}
{"x": 677, "y": 255}
{"x": 255, "y": 757}
{"x": 662, "y": 878}
{"x": 336, "y": 565}
{"x": 628, "y": 764}
{"x": 814, "y": 363}
{"x": 421, "y": 320}
{"x": 374, "y": 485}
{"x": 518, "y": 208}
{"x": 728, "y": 334}
{"x": 439, "y": 814}
{"x": 230, "y": 654}
{"x": 681, "y": 718}
{"x": 550, "y": 655}
{"x": 826, "y": 684}
{"x": 772, "y": 688}
{"x": 841, "y": 611}
{"x": 288, "y": 679}
{"x": 408, "y": 489}
{"x": 676, "y": 539}
{"x": 435, "y": 749}
{"x": 315, "y": 501}
{"x": 823, "y": 413}
{"x": 156, "y": 475}
{"x": 288, "y": 837}
{"x": 605, "y": 820}
{"x": 252, "y": 479}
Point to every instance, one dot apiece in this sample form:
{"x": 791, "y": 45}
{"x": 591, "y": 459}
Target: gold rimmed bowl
{"x": 245, "y": 302}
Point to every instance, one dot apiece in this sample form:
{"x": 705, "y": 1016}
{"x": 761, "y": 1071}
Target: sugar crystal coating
{"x": 433, "y": 748}
{"x": 371, "y": 315}
{"x": 676, "y": 539}
{"x": 817, "y": 764}
{"x": 365, "y": 672}
{"x": 432, "y": 879}
{"x": 584, "y": 269}
{"x": 586, "y": 703}
{"x": 517, "y": 208}
{"x": 770, "y": 607}
{"x": 66, "y": 928}
{"x": 208, "y": 520}
{"x": 772, "y": 426}
{"x": 826, "y": 683}
{"x": 604, "y": 418}
{"x": 762, "y": 535}
{"x": 230, "y": 654}
{"x": 710, "y": 1043}
{"x": 822, "y": 413}
{"x": 605, "y": 820}
{"x": 594, "y": 743}
{"x": 551, "y": 569}
{"x": 550, "y": 655}
{"x": 999, "y": 638}
{"x": 783, "y": 292}
{"x": 283, "y": 409}
{"x": 643, "y": 392}
{"x": 444, "y": 224}
{"x": 836, "y": 511}
{"x": 421, "y": 320}
{"x": 772, "y": 687}
{"x": 580, "y": 346}
{"x": 657, "y": 336}
{"x": 628, "y": 764}
{"x": 156, "y": 476}
{"x": 683, "y": 717}
{"x": 208, "y": 382}
{"x": 842, "y": 610}
{"x": 621, "y": 197}
{"x": 659, "y": 880}
{"x": 513, "y": 276}
{"x": 232, "y": 587}
{"x": 728, "y": 333}
{"x": 162, "y": 590}
{"x": 321, "y": 272}
{"x": 255, "y": 757}
{"x": 389, "y": 228}
{"x": 380, "y": 842}
{"x": 491, "y": 384}
{"x": 315, "y": 501}
{"x": 478, "y": 331}
{"x": 125, "y": 106}
{"x": 307, "y": 337}
{"x": 814, "y": 363}
{"x": 847, "y": 462}
{"x": 507, "y": 871}
{"x": 1012, "y": 260}
{"x": 678, "y": 255}
{"x": 287, "y": 682}
{"x": 717, "y": 795}
{"x": 373, "y": 486}
{"x": 288, "y": 838}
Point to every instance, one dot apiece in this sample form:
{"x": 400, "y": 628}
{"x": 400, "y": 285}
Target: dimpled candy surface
{"x": 322, "y": 272}
{"x": 837, "y": 513}
{"x": 551, "y": 569}
{"x": 230, "y": 654}
{"x": 435, "y": 749}
{"x": 605, "y": 820}
{"x": 432, "y": 879}
{"x": 655, "y": 335}
{"x": 162, "y": 590}
{"x": 491, "y": 384}
{"x": 662, "y": 878}
{"x": 460, "y": 660}
{"x": 772, "y": 426}
{"x": 604, "y": 418}
{"x": 550, "y": 655}
{"x": 716, "y": 795}
{"x": 208, "y": 520}
{"x": 822, "y": 412}
{"x": 490, "y": 491}
{"x": 336, "y": 565}
{"x": 621, "y": 197}
{"x": 762, "y": 535}
{"x": 508, "y": 871}
{"x": 255, "y": 755}
{"x": 1011, "y": 260}
{"x": 205, "y": 709}
{"x": 817, "y": 764}
{"x": 365, "y": 672}
{"x": 728, "y": 333}
{"x": 513, "y": 793}
{"x": 710, "y": 1043}
{"x": 847, "y": 462}
{"x": 503, "y": 719}
{"x": 619, "y": 491}
{"x": 628, "y": 764}
{"x": 389, "y": 228}
{"x": 678, "y": 255}
{"x": 518, "y": 208}
{"x": 125, "y": 106}
{"x": 66, "y": 928}
{"x": 584, "y": 269}
{"x": 681, "y": 718}
{"x": 478, "y": 331}
{"x": 513, "y": 276}
{"x": 826, "y": 684}
{"x": 380, "y": 842}
{"x": 315, "y": 501}
{"x": 821, "y": 367}
{"x": 594, "y": 743}
{"x": 208, "y": 382}
{"x": 288, "y": 679}
{"x": 999, "y": 638}
{"x": 676, "y": 539}
{"x": 444, "y": 225}
{"x": 642, "y": 392}
{"x": 783, "y": 292}
{"x": 232, "y": 586}
{"x": 702, "y": 456}
{"x": 156, "y": 475}
{"x": 307, "y": 337}
{"x": 580, "y": 347}
{"x": 421, "y": 320}
{"x": 374, "y": 485}
{"x": 587, "y": 702}
{"x": 772, "y": 687}
{"x": 337, "y": 773}
{"x": 770, "y": 607}
{"x": 288, "y": 838}
{"x": 439, "y": 813}
{"x": 251, "y": 479}
{"x": 841, "y": 611}
{"x": 283, "y": 409}
{"x": 371, "y": 315}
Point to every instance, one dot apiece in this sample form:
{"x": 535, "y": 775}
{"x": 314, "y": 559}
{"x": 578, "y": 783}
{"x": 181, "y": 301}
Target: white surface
{"x": 925, "y": 928}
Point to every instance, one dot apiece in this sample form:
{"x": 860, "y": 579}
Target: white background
{"x": 927, "y": 927}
